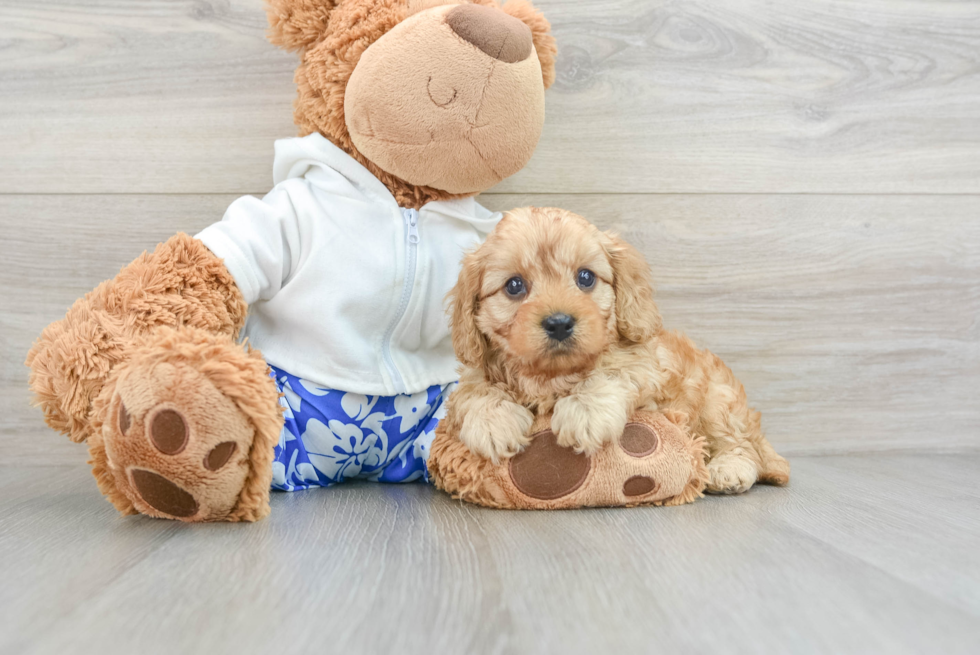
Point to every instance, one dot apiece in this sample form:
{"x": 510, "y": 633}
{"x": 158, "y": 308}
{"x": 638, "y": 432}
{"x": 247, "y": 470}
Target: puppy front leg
{"x": 493, "y": 425}
{"x": 594, "y": 413}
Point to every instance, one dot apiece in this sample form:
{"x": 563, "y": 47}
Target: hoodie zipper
{"x": 411, "y": 219}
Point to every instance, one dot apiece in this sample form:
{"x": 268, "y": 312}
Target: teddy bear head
{"x": 437, "y": 98}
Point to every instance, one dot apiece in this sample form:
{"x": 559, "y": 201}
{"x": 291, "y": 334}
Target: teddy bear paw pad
{"x": 547, "y": 471}
{"x": 163, "y": 495}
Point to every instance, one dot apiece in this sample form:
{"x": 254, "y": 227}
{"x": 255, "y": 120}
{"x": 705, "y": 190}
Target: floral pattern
{"x": 330, "y": 436}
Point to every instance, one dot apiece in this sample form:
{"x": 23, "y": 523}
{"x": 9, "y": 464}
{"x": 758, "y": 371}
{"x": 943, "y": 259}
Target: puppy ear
{"x": 468, "y": 342}
{"x": 544, "y": 43}
{"x": 297, "y": 24}
{"x": 637, "y": 318}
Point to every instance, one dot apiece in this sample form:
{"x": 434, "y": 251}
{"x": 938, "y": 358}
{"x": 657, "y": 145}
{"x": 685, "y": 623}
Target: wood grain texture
{"x": 852, "y": 320}
{"x": 850, "y": 558}
{"x": 186, "y": 96}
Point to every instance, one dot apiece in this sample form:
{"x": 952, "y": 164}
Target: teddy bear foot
{"x": 179, "y": 447}
{"x": 653, "y": 462}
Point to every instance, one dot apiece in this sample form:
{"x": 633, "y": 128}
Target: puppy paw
{"x": 586, "y": 424}
{"x": 496, "y": 430}
{"x": 731, "y": 474}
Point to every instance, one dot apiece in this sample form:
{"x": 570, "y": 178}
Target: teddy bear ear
{"x": 544, "y": 43}
{"x": 297, "y": 24}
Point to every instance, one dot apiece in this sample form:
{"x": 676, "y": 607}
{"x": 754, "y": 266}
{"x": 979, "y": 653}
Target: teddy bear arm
{"x": 180, "y": 283}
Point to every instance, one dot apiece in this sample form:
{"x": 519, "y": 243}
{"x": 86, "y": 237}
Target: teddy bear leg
{"x": 188, "y": 425}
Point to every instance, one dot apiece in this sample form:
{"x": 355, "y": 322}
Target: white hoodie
{"x": 344, "y": 287}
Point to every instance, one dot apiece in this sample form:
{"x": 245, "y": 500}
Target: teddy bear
{"x": 302, "y": 340}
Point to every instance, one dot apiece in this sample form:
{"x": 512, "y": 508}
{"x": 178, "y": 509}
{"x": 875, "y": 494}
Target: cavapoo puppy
{"x": 552, "y": 315}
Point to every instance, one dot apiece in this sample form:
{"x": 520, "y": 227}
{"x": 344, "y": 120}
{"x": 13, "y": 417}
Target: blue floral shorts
{"x": 331, "y": 436}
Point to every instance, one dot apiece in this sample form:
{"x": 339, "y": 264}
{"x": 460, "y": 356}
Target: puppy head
{"x": 549, "y": 293}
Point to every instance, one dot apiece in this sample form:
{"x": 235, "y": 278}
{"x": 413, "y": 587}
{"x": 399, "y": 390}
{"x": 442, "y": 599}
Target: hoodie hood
{"x": 319, "y": 161}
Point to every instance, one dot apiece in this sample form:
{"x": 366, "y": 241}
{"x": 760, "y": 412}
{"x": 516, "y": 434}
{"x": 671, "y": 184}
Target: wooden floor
{"x": 804, "y": 178}
{"x": 862, "y": 554}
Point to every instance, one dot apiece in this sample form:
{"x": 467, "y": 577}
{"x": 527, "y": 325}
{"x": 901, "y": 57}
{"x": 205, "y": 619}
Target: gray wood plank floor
{"x": 875, "y": 553}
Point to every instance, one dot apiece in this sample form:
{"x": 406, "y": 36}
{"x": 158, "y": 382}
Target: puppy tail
{"x": 775, "y": 469}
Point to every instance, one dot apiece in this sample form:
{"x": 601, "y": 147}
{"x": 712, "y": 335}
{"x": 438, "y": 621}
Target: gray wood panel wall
{"x": 804, "y": 177}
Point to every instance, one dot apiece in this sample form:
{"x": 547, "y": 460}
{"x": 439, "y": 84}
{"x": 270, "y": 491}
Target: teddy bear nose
{"x": 498, "y": 34}
{"x": 559, "y": 326}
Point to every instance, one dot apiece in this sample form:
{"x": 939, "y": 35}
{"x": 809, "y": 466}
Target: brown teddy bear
{"x": 406, "y": 110}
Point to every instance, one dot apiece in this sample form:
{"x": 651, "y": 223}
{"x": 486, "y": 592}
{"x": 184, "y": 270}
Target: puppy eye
{"x": 586, "y": 279}
{"x": 515, "y": 287}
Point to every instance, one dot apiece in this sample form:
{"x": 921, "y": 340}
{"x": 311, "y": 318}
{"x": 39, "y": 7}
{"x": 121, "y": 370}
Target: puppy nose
{"x": 498, "y": 34}
{"x": 559, "y": 326}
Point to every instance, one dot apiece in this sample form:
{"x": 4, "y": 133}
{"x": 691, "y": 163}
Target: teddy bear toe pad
{"x": 638, "y": 440}
{"x": 219, "y": 455}
{"x": 639, "y": 485}
{"x": 168, "y": 431}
